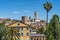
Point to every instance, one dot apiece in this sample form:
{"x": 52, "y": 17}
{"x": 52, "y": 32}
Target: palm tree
{"x": 2, "y": 30}
{"x": 11, "y": 34}
{"x": 47, "y": 7}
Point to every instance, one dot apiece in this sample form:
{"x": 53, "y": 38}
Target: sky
{"x": 15, "y": 9}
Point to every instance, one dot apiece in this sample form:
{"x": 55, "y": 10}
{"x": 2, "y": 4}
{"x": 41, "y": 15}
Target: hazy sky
{"x": 14, "y": 9}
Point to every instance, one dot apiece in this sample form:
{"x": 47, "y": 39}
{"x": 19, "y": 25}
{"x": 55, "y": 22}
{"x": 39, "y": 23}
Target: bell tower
{"x": 35, "y": 15}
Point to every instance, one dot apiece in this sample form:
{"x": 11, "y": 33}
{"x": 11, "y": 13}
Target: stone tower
{"x": 24, "y": 19}
{"x": 35, "y": 15}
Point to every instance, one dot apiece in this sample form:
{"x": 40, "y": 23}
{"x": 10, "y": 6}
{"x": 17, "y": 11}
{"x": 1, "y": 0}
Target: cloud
{"x": 25, "y": 11}
{"x": 15, "y": 12}
{"x": 21, "y": 11}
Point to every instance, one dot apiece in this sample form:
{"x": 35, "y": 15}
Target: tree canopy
{"x": 54, "y": 28}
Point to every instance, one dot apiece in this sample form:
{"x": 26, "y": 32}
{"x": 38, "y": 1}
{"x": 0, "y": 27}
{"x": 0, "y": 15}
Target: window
{"x": 18, "y": 28}
{"x": 27, "y": 28}
{"x": 21, "y": 34}
{"x": 18, "y": 34}
{"x": 27, "y": 34}
{"x": 21, "y": 28}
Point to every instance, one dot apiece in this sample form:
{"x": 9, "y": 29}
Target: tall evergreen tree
{"x": 54, "y": 29}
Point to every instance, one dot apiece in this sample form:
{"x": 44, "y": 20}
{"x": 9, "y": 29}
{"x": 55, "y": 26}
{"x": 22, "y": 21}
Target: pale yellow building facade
{"x": 24, "y": 32}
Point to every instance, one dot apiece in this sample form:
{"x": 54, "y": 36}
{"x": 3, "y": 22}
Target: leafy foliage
{"x": 47, "y": 6}
{"x": 2, "y": 30}
{"x": 41, "y": 30}
{"x": 11, "y": 34}
{"x": 54, "y": 29}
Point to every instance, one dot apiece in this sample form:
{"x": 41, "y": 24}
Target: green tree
{"x": 41, "y": 30}
{"x": 54, "y": 29}
{"x": 11, "y": 34}
{"x": 2, "y": 30}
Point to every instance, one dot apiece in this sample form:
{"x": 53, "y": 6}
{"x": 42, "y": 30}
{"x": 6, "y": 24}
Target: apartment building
{"x": 24, "y": 32}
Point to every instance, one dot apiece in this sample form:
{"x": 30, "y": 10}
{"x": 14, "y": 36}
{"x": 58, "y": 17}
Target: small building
{"x": 37, "y": 37}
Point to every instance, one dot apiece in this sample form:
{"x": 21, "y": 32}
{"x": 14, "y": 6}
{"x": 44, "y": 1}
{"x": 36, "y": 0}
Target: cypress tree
{"x": 54, "y": 29}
